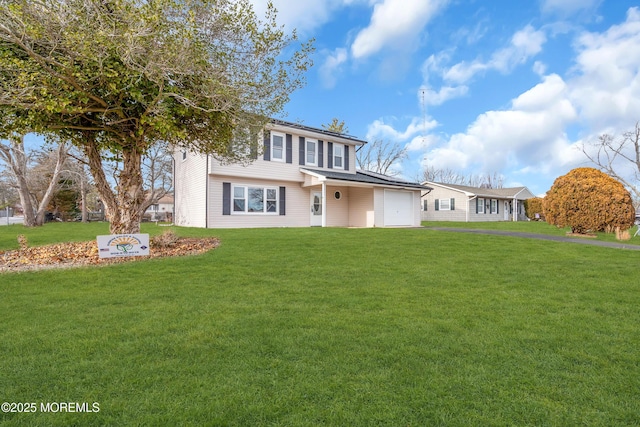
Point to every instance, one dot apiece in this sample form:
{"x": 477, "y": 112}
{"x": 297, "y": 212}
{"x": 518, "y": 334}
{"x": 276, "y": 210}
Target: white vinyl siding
{"x": 296, "y": 207}
{"x": 190, "y": 190}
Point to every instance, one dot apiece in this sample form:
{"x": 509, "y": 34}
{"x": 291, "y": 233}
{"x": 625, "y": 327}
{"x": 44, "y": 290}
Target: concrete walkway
{"x": 578, "y": 240}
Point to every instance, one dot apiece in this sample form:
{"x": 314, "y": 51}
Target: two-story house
{"x": 304, "y": 177}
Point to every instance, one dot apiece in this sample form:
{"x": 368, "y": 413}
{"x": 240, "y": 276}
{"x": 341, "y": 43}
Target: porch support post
{"x": 324, "y": 204}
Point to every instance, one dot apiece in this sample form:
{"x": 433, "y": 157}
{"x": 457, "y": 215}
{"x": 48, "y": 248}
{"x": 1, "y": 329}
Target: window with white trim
{"x": 494, "y": 206}
{"x": 277, "y": 147}
{"x": 480, "y": 205}
{"x": 338, "y": 156}
{"x": 249, "y": 199}
{"x": 445, "y": 204}
{"x": 311, "y": 152}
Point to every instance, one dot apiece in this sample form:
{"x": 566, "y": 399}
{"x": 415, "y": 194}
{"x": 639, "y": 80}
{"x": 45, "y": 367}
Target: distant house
{"x": 450, "y": 202}
{"x": 162, "y": 210}
{"x": 304, "y": 177}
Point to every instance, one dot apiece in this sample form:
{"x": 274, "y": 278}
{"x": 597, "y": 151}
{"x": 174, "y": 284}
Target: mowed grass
{"x": 539, "y": 227}
{"x": 358, "y": 327}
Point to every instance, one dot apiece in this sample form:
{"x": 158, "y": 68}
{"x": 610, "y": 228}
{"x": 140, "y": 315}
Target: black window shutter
{"x": 477, "y": 205}
{"x": 226, "y": 198}
{"x": 487, "y": 206}
{"x": 437, "y": 204}
{"x": 320, "y": 154}
{"x": 302, "y": 150}
{"x": 289, "y": 148}
{"x": 453, "y": 204}
{"x": 283, "y": 191}
{"x": 330, "y": 155}
{"x": 497, "y": 206}
{"x": 267, "y": 146}
{"x": 346, "y": 157}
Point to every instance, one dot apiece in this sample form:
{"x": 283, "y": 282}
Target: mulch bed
{"x": 76, "y": 254}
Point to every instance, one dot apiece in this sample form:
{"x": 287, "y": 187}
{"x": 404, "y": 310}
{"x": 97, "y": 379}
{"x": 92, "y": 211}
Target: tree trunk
{"x": 122, "y": 208}
{"x": 130, "y": 194}
{"x": 42, "y": 208}
{"x": 15, "y": 156}
{"x": 83, "y": 197}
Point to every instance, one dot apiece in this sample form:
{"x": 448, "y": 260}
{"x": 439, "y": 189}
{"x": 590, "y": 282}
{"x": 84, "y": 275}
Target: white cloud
{"x": 381, "y": 130}
{"x": 531, "y": 132}
{"x": 445, "y": 93}
{"x": 525, "y": 44}
{"x": 394, "y": 23}
{"x": 332, "y": 66}
{"x": 606, "y": 86}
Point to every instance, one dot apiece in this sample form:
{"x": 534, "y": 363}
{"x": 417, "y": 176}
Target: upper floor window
{"x": 338, "y": 156}
{"x": 311, "y": 152}
{"x": 277, "y": 147}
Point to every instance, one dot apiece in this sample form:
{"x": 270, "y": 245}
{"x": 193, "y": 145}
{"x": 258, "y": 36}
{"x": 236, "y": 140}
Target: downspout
{"x": 206, "y": 196}
{"x": 173, "y": 178}
{"x": 469, "y": 206}
{"x": 324, "y": 204}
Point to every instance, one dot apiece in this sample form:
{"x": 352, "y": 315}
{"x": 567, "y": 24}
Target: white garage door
{"x": 398, "y": 208}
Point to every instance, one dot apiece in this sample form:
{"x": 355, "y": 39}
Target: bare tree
{"x": 450, "y": 176}
{"x": 34, "y": 205}
{"x": 618, "y": 157}
{"x": 379, "y": 156}
{"x": 157, "y": 169}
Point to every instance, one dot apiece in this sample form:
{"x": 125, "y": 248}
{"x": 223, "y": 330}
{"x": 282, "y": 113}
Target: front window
{"x": 494, "y": 206}
{"x": 312, "y": 152}
{"x": 480, "y": 205}
{"x": 338, "y": 153}
{"x": 445, "y": 204}
{"x": 277, "y": 147}
{"x": 247, "y": 199}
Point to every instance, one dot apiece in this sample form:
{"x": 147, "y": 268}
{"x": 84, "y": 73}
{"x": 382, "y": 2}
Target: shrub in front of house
{"x": 533, "y": 209}
{"x": 588, "y": 200}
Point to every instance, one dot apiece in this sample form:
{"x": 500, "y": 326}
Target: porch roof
{"x": 365, "y": 177}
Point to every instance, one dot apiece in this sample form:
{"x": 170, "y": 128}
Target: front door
{"x": 506, "y": 211}
{"x": 316, "y": 209}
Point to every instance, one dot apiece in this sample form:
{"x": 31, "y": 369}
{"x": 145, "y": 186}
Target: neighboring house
{"x": 162, "y": 210}
{"x": 450, "y": 202}
{"x": 304, "y": 177}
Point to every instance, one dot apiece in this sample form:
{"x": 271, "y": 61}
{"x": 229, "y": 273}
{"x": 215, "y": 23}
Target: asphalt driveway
{"x": 577, "y": 240}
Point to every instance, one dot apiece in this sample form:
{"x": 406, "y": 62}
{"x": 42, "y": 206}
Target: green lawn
{"x": 300, "y": 327}
{"x": 529, "y": 227}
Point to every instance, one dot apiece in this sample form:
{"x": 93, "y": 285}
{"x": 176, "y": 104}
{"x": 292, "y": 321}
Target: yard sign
{"x": 122, "y": 245}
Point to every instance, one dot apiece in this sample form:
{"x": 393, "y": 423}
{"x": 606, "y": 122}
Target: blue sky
{"x": 477, "y": 86}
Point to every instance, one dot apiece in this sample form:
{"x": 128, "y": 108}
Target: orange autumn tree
{"x": 586, "y": 200}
